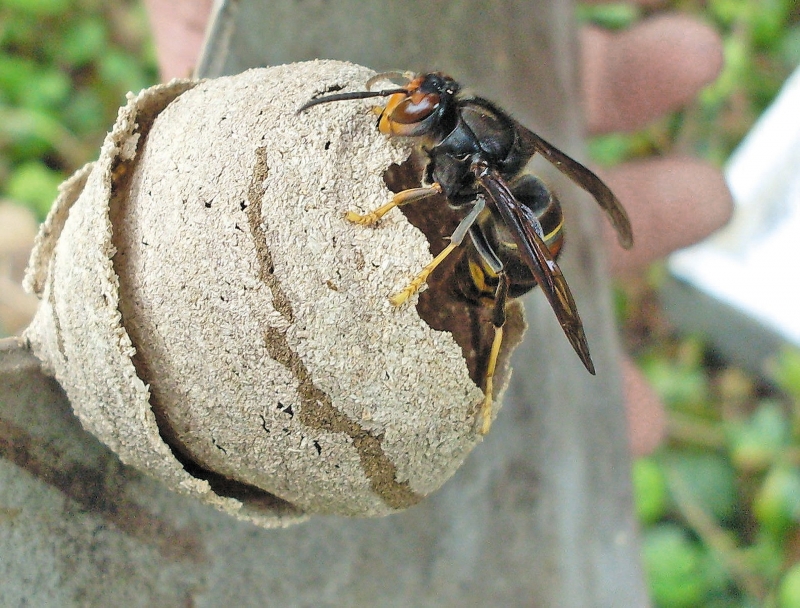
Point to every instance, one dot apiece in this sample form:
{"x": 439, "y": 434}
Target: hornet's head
{"x": 417, "y": 108}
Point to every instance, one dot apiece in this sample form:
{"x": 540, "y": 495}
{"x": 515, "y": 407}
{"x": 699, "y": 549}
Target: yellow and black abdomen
{"x": 491, "y": 247}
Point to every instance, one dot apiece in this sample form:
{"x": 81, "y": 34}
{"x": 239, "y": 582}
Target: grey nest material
{"x": 217, "y": 322}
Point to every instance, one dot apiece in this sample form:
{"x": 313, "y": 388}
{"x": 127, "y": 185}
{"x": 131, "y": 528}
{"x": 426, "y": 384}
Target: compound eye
{"x": 415, "y": 108}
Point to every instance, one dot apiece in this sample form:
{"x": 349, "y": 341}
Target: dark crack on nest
{"x": 253, "y": 499}
{"x": 317, "y": 412}
{"x": 316, "y": 407}
{"x": 266, "y": 266}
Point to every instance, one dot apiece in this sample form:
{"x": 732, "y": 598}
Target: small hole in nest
{"x": 286, "y": 409}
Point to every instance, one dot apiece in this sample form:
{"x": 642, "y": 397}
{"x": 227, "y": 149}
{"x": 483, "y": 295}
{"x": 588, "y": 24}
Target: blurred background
{"x": 719, "y": 502}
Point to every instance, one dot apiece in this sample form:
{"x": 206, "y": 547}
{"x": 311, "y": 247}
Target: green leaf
{"x": 84, "y": 42}
{"x": 769, "y": 22}
{"x": 610, "y": 149}
{"x": 789, "y": 591}
{"x": 38, "y": 8}
{"x": 727, "y": 12}
{"x": 613, "y": 16}
{"x": 683, "y": 387}
{"x": 16, "y": 74}
{"x": 790, "y": 46}
{"x": 649, "y": 490}
{"x": 675, "y": 567}
{"x": 33, "y": 133}
{"x": 28, "y": 134}
{"x": 708, "y": 479}
{"x": 46, "y": 89}
{"x": 34, "y": 184}
{"x": 777, "y": 504}
{"x": 764, "y": 556}
{"x": 786, "y": 372}
{"x": 85, "y": 112}
{"x": 755, "y": 443}
{"x": 123, "y": 71}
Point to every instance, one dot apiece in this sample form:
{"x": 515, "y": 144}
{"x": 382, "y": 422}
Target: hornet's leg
{"x": 455, "y": 240}
{"x": 498, "y": 320}
{"x": 493, "y": 267}
{"x": 401, "y": 198}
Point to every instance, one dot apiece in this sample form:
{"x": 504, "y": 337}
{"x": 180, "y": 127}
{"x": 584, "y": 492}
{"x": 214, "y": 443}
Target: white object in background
{"x": 752, "y": 266}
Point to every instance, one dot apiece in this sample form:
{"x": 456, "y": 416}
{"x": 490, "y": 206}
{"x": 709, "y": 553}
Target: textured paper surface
{"x": 260, "y": 317}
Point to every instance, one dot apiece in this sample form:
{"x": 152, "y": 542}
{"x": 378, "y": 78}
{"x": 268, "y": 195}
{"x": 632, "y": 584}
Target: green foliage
{"x": 680, "y": 381}
{"x": 611, "y": 15}
{"x": 707, "y": 479}
{"x": 37, "y": 8}
{"x": 650, "y": 493}
{"x": 777, "y": 504}
{"x": 720, "y": 502}
{"x": 675, "y": 566}
{"x": 786, "y": 373}
{"x": 84, "y": 42}
{"x": 790, "y": 589}
{"x": 34, "y": 184}
{"x": 761, "y": 42}
{"x": 65, "y": 67}
{"x": 759, "y": 441}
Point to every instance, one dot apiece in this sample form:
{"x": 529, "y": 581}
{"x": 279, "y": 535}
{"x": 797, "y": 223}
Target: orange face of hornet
{"x": 406, "y": 113}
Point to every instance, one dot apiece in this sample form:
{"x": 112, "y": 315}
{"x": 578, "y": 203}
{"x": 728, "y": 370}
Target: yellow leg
{"x": 368, "y": 219}
{"x": 401, "y": 198}
{"x": 485, "y": 412}
{"x": 455, "y": 240}
{"x": 412, "y": 288}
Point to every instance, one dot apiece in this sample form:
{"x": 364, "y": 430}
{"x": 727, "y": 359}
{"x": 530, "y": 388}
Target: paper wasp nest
{"x": 217, "y": 323}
